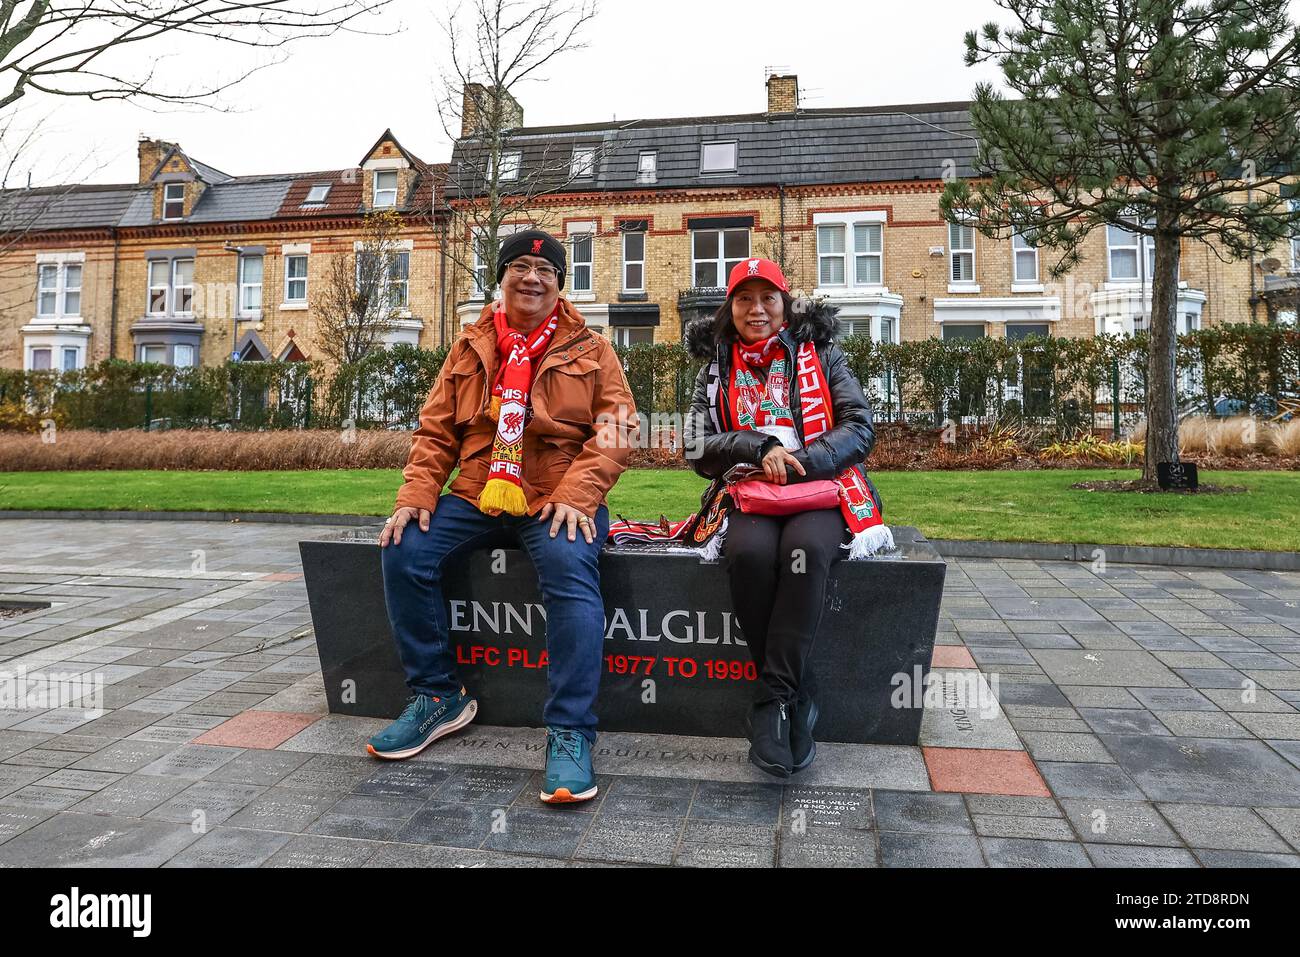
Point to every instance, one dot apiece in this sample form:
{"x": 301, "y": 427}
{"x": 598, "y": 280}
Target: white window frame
{"x": 389, "y": 285}
{"x": 843, "y": 255}
{"x": 622, "y": 335}
{"x": 69, "y": 288}
{"x": 647, "y": 172}
{"x": 376, "y": 191}
{"x": 31, "y": 358}
{"x": 582, "y": 165}
{"x": 849, "y": 223}
{"x": 76, "y": 358}
{"x": 190, "y": 355}
{"x": 509, "y": 169}
{"x": 169, "y": 199}
{"x": 628, "y": 261}
{"x": 1022, "y": 250}
{"x": 714, "y": 145}
{"x": 152, "y": 287}
{"x": 290, "y": 279}
{"x": 175, "y": 298}
{"x": 959, "y": 251}
{"x": 144, "y": 352}
{"x": 313, "y": 198}
{"x": 44, "y": 288}
{"x": 723, "y": 264}
{"x": 576, "y": 265}
{"x": 246, "y": 287}
{"x": 1145, "y": 249}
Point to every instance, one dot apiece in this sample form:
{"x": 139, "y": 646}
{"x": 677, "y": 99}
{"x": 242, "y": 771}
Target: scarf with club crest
{"x": 516, "y": 353}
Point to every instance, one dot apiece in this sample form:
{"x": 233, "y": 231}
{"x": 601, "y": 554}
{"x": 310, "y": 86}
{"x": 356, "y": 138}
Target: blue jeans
{"x": 567, "y": 572}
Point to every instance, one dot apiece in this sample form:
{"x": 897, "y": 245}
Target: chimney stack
{"x": 782, "y": 93}
{"x": 477, "y": 102}
{"x": 151, "y": 152}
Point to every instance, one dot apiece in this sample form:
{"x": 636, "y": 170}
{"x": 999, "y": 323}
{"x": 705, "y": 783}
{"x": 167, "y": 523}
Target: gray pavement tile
{"x": 1282, "y": 727}
{"x": 206, "y": 803}
{"x": 1111, "y": 668}
{"x": 1248, "y": 700}
{"x": 1122, "y": 721}
{"x": 723, "y": 855}
{"x": 123, "y": 756}
{"x": 1222, "y": 828}
{"x": 1207, "y": 770}
{"x": 81, "y": 780}
{"x": 1019, "y": 852}
{"x": 1202, "y": 724}
{"x": 1104, "y": 821}
{"x": 15, "y": 819}
{"x": 1064, "y": 746}
{"x": 636, "y": 796}
{"x": 1088, "y": 780}
{"x": 836, "y": 847}
{"x": 921, "y": 812}
{"x": 810, "y": 805}
{"x": 1096, "y": 696}
{"x": 191, "y": 761}
{"x": 1173, "y": 699}
{"x": 453, "y": 825}
{"x": 911, "y": 849}
{"x": 44, "y": 758}
{"x": 403, "y": 779}
{"x": 1246, "y": 859}
{"x": 86, "y": 840}
{"x": 434, "y": 856}
{"x": 132, "y": 796}
{"x": 737, "y": 803}
{"x": 1012, "y": 805}
{"x": 628, "y": 840}
{"x": 1122, "y": 855}
{"x": 332, "y": 772}
{"x": 483, "y": 785}
{"x": 43, "y": 797}
{"x": 230, "y": 847}
{"x": 312, "y": 851}
{"x": 1030, "y": 828}
{"x": 540, "y": 832}
{"x": 285, "y": 809}
{"x": 1284, "y": 820}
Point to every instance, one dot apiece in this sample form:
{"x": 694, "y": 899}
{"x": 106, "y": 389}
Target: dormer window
{"x": 647, "y": 167}
{"x": 718, "y": 157}
{"x": 385, "y": 188}
{"x": 317, "y": 193}
{"x": 173, "y": 201}
{"x": 584, "y": 162}
{"x": 509, "y": 166}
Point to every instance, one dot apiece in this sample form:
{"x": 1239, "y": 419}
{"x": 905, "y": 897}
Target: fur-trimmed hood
{"x": 816, "y": 325}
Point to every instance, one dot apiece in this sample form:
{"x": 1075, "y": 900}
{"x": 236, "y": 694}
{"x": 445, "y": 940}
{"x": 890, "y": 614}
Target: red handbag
{"x": 760, "y": 497}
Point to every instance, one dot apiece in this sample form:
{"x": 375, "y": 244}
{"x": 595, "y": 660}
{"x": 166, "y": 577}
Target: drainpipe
{"x": 112, "y": 301}
{"x": 1253, "y": 298}
{"x": 781, "y": 193}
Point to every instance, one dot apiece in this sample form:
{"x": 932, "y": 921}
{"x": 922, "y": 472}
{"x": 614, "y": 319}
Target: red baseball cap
{"x": 756, "y": 269}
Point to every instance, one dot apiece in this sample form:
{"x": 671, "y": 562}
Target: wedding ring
{"x": 583, "y": 520}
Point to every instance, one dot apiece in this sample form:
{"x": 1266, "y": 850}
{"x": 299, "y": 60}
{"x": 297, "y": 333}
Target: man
{"x": 534, "y": 410}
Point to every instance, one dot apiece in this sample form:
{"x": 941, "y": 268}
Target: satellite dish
{"x": 1270, "y": 265}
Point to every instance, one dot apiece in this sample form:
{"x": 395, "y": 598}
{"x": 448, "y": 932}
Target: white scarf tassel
{"x": 712, "y": 550}
{"x": 869, "y": 541}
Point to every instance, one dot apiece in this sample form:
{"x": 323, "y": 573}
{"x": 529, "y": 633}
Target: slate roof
{"x": 63, "y": 207}
{"x": 868, "y": 144}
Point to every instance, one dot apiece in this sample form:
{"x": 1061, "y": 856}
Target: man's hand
{"x": 393, "y": 527}
{"x": 561, "y": 514}
{"x": 774, "y": 464}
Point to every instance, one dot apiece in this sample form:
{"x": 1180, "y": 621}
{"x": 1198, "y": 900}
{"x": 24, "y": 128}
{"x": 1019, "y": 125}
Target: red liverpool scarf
{"x": 504, "y": 491}
{"x": 766, "y": 406}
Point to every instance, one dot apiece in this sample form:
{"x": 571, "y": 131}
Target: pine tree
{"x": 1168, "y": 118}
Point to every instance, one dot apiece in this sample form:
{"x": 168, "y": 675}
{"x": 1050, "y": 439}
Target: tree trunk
{"x": 1162, "y": 385}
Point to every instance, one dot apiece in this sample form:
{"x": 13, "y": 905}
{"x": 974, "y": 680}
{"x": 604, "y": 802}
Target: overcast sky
{"x": 331, "y": 98}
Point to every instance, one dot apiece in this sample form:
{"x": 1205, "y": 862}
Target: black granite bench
{"x": 675, "y": 661}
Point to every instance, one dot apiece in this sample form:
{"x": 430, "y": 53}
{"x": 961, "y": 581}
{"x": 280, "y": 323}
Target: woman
{"x": 772, "y": 369}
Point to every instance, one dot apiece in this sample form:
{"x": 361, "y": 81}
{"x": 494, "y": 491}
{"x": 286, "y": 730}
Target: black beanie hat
{"x": 532, "y": 242}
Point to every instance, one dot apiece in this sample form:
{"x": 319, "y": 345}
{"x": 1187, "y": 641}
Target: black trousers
{"x": 777, "y": 567}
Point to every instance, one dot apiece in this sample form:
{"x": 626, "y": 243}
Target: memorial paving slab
{"x": 1136, "y": 716}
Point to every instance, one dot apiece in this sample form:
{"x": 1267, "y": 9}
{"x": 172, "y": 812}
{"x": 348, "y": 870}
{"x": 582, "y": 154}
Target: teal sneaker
{"x": 424, "y": 721}
{"x": 568, "y": 775}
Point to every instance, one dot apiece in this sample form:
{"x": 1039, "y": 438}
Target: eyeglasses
{"x": 544, "y": 273}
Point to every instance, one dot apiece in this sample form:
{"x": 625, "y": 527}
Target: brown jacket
{"x": 567, "y": 456}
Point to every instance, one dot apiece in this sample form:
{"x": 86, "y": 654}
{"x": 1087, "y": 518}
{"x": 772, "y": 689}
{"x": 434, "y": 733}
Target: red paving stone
{"x": 257, "y": 729}
{"x": 282, "y": 577}
{"x": 980, "y": 771}
{"x": 951, "y": 656}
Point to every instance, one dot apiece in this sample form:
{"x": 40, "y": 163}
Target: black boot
{"x": 770, "y": 738}
{"x": 802, "y": 746}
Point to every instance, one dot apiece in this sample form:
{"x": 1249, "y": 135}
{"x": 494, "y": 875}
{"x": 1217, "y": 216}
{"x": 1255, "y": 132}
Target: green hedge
{"x": 1067, "y": 383}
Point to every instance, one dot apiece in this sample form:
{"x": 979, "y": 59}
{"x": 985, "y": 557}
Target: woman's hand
{"x": 775, "y": 462}
{"x": 393, "y": 527}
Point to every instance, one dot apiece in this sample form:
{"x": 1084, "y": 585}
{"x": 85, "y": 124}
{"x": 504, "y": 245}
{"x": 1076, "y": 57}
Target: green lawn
{"x": 1007, "y": 506}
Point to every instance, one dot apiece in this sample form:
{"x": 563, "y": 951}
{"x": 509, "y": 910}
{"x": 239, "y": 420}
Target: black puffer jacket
{"x": 712, "y": 452}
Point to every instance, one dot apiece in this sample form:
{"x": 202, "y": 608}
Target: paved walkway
{"x": 1148, "y": 717}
